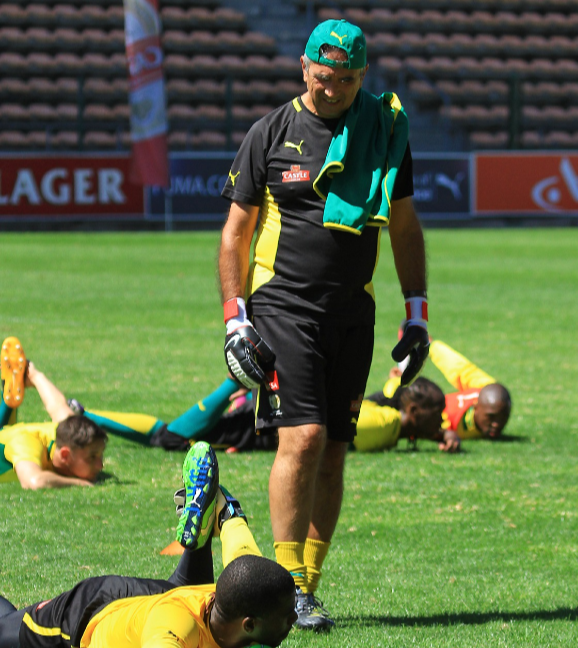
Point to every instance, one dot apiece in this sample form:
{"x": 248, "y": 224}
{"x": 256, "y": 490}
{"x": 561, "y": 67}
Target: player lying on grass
{"x": 69, "y": 450}
{"x": 66, "y": 452}
{"x": 252, "y": 603}
{"x": 415, "y": 412}
{"x": 479, "y": 409}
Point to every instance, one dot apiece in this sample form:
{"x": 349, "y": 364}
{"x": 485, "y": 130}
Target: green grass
{"x": 477, "y": 549}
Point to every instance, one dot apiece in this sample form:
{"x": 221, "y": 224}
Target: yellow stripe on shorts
{"x": 44, "y": 632}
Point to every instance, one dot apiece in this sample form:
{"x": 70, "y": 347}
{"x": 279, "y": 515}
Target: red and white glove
{"x": 414, "y": 343}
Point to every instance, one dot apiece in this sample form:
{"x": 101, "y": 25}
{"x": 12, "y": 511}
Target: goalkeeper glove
{"x": 414, "y": 342}
{"x": 246, "y": 353}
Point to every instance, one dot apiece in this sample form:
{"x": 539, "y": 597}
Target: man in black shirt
{"x": 321, "y": 174}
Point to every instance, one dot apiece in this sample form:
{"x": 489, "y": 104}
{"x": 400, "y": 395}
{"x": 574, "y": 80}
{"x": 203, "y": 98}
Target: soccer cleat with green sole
{"x": 201, "y": 480}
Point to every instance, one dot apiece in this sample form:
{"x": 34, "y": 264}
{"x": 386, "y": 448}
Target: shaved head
{"x": 495, "y": 394}
{"x": 492, "y": 411}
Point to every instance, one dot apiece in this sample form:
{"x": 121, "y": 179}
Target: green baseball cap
{"x": 338, "y": 33}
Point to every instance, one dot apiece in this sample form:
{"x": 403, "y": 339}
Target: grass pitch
{"x": 476, "y": 549}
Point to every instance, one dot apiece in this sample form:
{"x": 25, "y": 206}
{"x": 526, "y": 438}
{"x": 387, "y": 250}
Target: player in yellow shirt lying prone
{"x": 252, "y": 603}
{"x": 66, "y": 452}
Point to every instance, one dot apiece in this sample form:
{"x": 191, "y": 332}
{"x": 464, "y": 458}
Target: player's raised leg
{"x": 201, "y": 480}
{"x": 13, "y": 365}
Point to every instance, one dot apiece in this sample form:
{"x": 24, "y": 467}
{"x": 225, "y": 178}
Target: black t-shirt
{"x": 60, "y": 622}
{"x": 301, "y": 268}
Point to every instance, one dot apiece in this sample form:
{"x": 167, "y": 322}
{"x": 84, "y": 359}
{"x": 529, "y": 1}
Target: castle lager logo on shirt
{"x": 295, "y": 174}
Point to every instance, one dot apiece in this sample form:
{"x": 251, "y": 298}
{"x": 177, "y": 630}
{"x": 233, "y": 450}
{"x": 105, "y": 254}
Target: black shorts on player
{"x": 70, "y": 612}
{"x": 321, "y": 373}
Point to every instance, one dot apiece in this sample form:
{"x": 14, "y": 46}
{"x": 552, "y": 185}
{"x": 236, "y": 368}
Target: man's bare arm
{"x": 235, "y": 249}
{"x": 408, "y": 246}
{"x": 52, "y": 398}
{"x": 32, "y": 477}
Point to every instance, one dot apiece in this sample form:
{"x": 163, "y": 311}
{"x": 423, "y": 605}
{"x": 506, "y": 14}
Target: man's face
{"x": 331, "y": 91}
{"x": 274, "y": 628}
{"x": 84, "y": 463}
{"x": 491, "y": 418}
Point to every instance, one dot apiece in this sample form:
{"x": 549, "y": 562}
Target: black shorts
{"x": 234, "y": 429}
{"x": 70, "y": 612}
{"x": 321, "y": 373}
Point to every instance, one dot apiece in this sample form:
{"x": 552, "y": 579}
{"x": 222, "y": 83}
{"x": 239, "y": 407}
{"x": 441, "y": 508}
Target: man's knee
{"x": 307, "y": 441}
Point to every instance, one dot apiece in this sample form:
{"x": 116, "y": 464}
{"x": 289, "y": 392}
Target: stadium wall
{"x": 92, "y": 192}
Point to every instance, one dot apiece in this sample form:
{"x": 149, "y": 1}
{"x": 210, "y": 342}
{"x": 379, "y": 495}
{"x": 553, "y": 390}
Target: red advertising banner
{"x": 148, "y": 118}
{"x": 544, "y": 183}
{"x": 68, "y": 186}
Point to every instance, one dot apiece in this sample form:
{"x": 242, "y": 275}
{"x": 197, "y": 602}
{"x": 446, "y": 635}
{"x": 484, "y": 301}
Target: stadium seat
{"x": 13, "y": 38}
{"x": 192, "y": 92}
{"x": 101, "y": 140}
{"x": 14, "y": 140}
{"x": 424, "y": 93}
{"x": 104, "y": 90}
{"x": 100, "y": 64}
{"x": 477, "y": 117}
{"x": 64, "y": 65}
{"x": 65, "y": 15}
{"x": 39, "y": 139}
{"x": 39, "y": 14}
{"x": 209, "y": 139}
{"x": 181, "y": 113}
{"x": 179, "y": 140}
{"x": 549, "y": 92}
{"x": 69, "y": 40}
{"x": 12, "y": 89}
{"x": 94, "y": 15}
{"x": 210, "y": 113}
{"x": 99, "y": 112}
{"x": 234, "y": 65}
{"x": 41, "y": 112}
{"x": 64, "y": 140}
{"x": 12, "y": 14}
{"x": 486, "y": 140}
{"x": 228, "y": 18}
{"x": 249, "y": 115}
{"x": 13, "y": 112}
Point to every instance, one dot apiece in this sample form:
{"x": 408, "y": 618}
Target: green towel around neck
{"x": 361, "y": 165}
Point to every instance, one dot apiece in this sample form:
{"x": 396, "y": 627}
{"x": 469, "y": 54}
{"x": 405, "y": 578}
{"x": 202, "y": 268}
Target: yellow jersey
{"x": 26, "y": 442}
{"x": 178, "y": 618}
